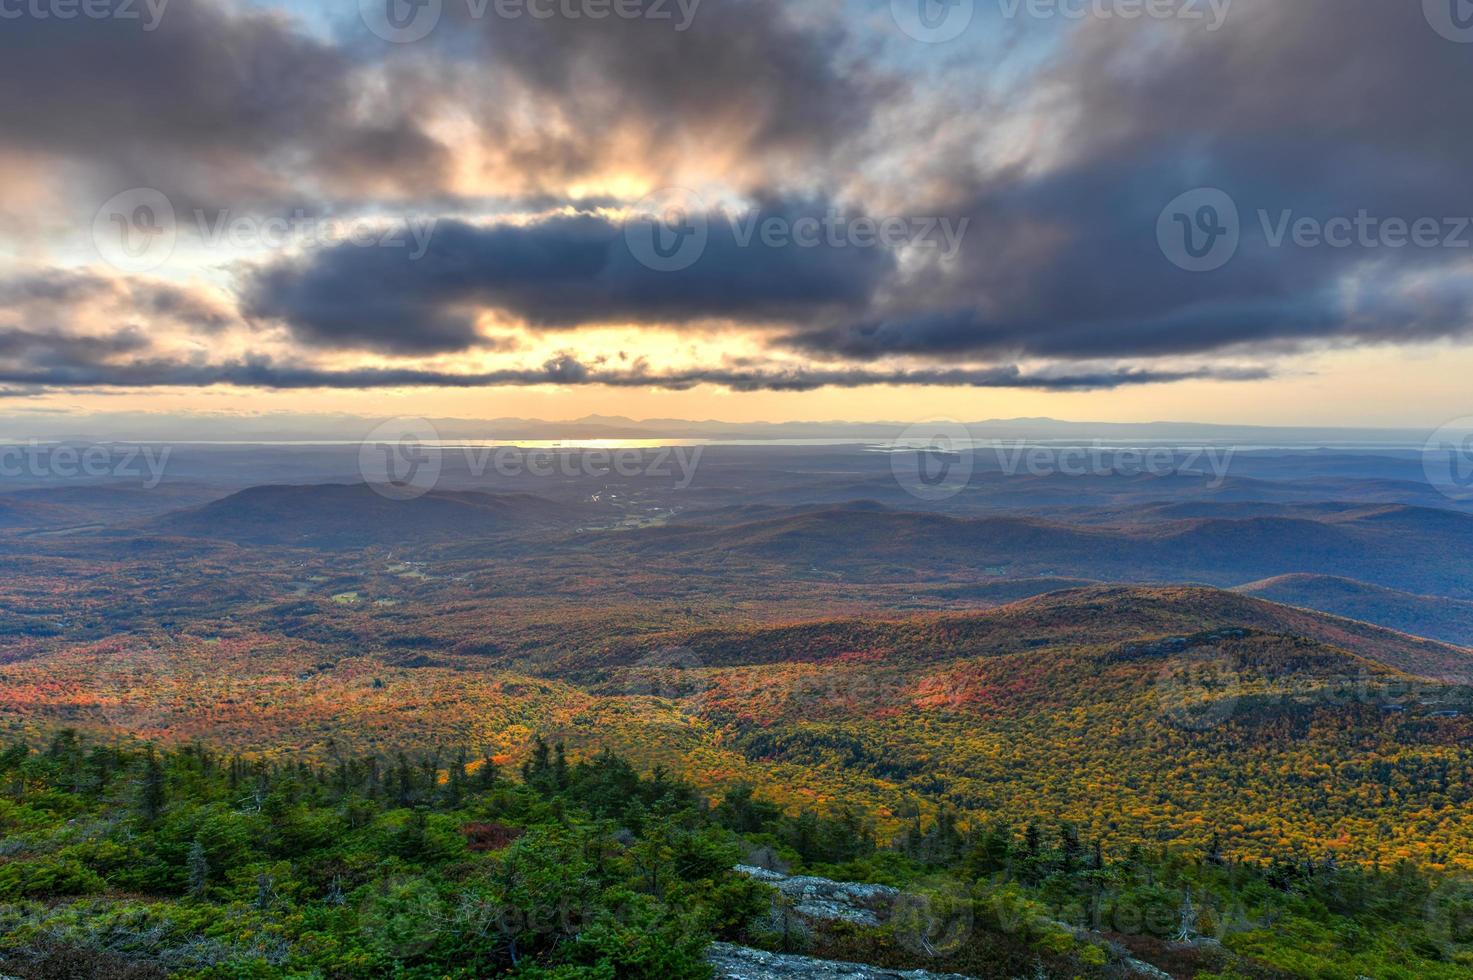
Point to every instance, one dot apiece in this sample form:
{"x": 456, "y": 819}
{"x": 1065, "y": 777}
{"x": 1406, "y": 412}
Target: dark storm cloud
{"x": 1319, "y": 108}
{"x": 218, "y": 105}
{"x": 207, "y": 105}
{"x": 262, "y": 372}
{"x": 66, "y": 352}
{"x": 743, "y": 81}
{"x": 561, "y": 272}
{"x": 46, "y": 298}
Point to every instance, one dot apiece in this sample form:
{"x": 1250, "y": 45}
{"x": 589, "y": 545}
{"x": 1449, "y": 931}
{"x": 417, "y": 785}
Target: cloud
{"x": 560, "y": 272}
{"x": 1061, "y": 258}
{"x": 208, "y": 106}
{"x": 59, "y": 300}
{"x": 66, "y": 351}
{"x": 230, "y": 106}
{"x": 1317, "y": 108}
{"x": 263, "y": 372}
{"x": 751, "y": 91}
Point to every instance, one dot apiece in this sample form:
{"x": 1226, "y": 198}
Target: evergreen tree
{"x": 404, "y": 781}
{"x": 1070, "y": 850}
{"x": 455, "y": 782}
{"x": 1214, "y": 850}
{"x": 741, "y": 812}
{"x": 487, "y": 775}
{"x": 559, "y": 769}
{"x": 152, "y": 794}
{"x": 537, "y": 770}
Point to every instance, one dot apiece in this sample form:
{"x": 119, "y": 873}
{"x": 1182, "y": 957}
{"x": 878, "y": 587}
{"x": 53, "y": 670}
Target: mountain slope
{"x": 1448, "y": 620}
{"x": 1414, "y": 549}
{"x": 1095, "y": 616}
{"x": 355, "y": 515}
{"x": 1146, "y": 715}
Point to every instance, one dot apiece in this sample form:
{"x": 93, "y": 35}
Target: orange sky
{"x": 1411, "y": 387}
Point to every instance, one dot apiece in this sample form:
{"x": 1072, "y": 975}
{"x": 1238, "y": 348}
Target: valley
{"x": 912, "y": 661}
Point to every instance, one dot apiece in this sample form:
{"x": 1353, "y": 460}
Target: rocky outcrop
{"x": 743, "y": 963}
{"x": 829, "y": 901}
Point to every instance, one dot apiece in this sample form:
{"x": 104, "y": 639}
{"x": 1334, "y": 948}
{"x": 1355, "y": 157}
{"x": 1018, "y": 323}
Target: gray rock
{"x": 829, "y": 901}
{"x": 743, "y": 963}
{"x": 1141, "y": 969}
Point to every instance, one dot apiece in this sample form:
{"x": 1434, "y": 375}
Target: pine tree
{"x": 537, "y": 769}
{"x": 487, "y": 775}
{"x": 152, "y": 794}
{"x": 455, "y": 782}
{"x": 560, "y": 768}
{"x": 1214, "y": 850}
{"x": 430, "y": 769}
{"x": 991, "y": 853}
{"x": 1069, "y": 847}
{"x": 404, "y": 790}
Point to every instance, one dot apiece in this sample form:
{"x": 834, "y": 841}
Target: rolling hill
{"x": 355, "y": 516}
{"x": 1449, "y": 620}
{"x": 1133, "y": 712}
{"x": 1391, "y": 546}
{"x": 1095, "y": 616}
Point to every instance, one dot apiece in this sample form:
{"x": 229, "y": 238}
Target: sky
{"x": 1212, "y": 210}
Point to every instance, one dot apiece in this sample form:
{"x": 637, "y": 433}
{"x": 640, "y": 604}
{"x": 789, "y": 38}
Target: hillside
{"x": 1141, "y": 714}
{"x": 1449, "y": 620}
{"x": 1095, "y": 615}
{"x": 355, "y": 515}
{"x": 1388, "y": 546}
{"x": 102, "y": 504}
{"x": 1134, "y": 712}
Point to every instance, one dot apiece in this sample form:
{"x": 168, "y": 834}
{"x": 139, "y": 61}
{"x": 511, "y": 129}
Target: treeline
{"x": 130, "y": 862}
{"x": 189, "y": 862}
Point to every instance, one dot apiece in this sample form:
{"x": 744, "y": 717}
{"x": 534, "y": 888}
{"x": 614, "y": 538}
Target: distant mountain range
{"x": 1402, "y": 567}
{"x": 1399, "y": 566}
{"x": 158, "y": 427}
{"x": 1409, "y": 548}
